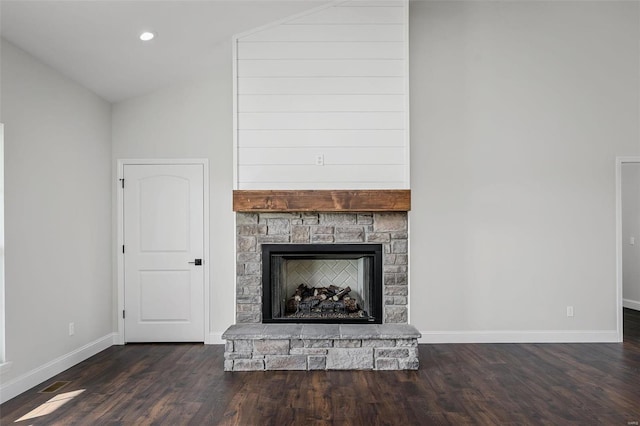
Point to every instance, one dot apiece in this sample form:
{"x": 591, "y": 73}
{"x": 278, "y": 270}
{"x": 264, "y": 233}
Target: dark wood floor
{"x": 492, "y": 384}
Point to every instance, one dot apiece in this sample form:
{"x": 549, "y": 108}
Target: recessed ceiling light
{"x": 146, "y": 36}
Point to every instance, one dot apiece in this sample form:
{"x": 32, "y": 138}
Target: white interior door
{"x": 163, "y": 241}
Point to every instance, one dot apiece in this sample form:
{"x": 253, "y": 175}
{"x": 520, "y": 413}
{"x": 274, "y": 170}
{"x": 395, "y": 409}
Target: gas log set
{"x": 332, "y": 301}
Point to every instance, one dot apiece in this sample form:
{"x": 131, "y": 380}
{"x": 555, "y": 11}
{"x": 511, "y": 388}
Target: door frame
{"x": 619, "y": 318}
{"x": 204, "y": 162}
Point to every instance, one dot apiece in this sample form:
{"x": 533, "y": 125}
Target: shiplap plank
{"x": 324, "y": 32}
{"x": 320, "y": 138}
{"x": 332, "y": 156}
{"x": 354, "y": 15}
{"x": 310, "y": 103}
{"x": 322, "y": 185}
{"x": 320, "y": 68}
{"x": 321, "y": 50}
{"x": 321, "y": 120}
{"x": 320, "y": 85}
{"x": 328, "y": 174}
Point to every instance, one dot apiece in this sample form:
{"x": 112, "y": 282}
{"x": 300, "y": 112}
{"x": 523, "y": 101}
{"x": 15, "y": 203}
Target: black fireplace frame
{"x": 306, "y": 251}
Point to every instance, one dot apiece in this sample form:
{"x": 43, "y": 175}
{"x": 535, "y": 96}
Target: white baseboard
{"x": 631, "y": 304}
{"x": 38, "y": 375}
{"x": 214, "y": 339}
{"x": 596, "y": 336}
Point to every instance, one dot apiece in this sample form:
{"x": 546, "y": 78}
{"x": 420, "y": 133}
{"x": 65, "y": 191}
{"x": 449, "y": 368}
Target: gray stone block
{"x": 326, "y": 230}
{"x": 412, "y": 343}
{"x": 228, "y": 365}
{"x": 246, "y": 218}
{"x": 399, "y": 235}
{"x": 245, "y": 243}
{"x": 359, "y": 331}
{"x": 396, "y": 290}
{"x": 409, "y": 364}
{"x": 248, "y": 365}
{"x": 253, "y": 229}
{"x": 350, "y": 359}
{"x": 399, "y": 300}
{"x": 289, "y": 362}
{"x": 318, "y": 343}
{"x": 317, "y": 362}
{"x": 398, "y": 331}
{"x": 268, "y": 239}
{"x": 248, "y": 317}
{"x": 355, "y": 236}
{"x": 320, "y": 331}
{"x": 243, "y": 346}
{"x": 264, "y": 217}
{"x": 228, "y": 346}
{"x": 378, "y": 343}
{"x": 249, "y": 281}
{"x": 395, "y": 314}
{"x": 283, "y": 331}
{"x": 388, "y": 300}
{"x": 392, "y": 352}
{"x": 271, "y": 347}
{"x": 253, "y": 269}
{"x": 249, "y": 257}
{"x": 395, "y": 268}
{"x": 296, "y": 343}
{"x": 300, "y": 234}
{"x": 387, "y": 364}
{"x": 237, "y": 332}
{"x": 278, "y": 226}
{"x": 347, "y": 343}
{"x": 388, "y": 222}
{"x": 400, "y": 246}
{"x": 378, "y": 237}
{"x": 364, "y": 218}
{"x": 308, "y": 351}
{"x": 237, "y": 355}
{"x": 322, "y": 238}
{"x": 338, "y": 218}
{"x": 310, "y": 218}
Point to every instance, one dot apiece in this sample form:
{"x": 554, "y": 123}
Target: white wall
{"x": 192, "y": 121}
{"x": 329, "y": 84}
{"x": 2, "y": 308}
{"x": 631, "y": 229}
{"x": 518, "y": 112}
{"x": 58, "y": 216}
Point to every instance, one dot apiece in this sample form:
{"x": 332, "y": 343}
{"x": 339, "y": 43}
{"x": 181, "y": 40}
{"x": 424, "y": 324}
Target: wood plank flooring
{"x": 492, "y": 384}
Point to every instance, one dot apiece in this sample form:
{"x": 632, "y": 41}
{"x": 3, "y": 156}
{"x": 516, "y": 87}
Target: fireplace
{"x": 322, "y": 283}
{"x": 321, "y": 290}
{"x": 323, "y": 232}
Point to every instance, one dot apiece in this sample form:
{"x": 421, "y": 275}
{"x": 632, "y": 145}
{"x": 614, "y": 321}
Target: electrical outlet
{"x": 569, "y": 311}
{"x": 320, "y": 160}
{"x": 72, "y": 329}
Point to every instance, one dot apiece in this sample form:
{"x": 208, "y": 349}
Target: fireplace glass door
{"x": 325, "y": 283}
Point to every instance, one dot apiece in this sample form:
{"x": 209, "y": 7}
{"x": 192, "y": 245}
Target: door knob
{"x": 197, "y": 262}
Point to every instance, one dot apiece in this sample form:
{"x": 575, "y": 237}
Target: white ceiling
{"x": 96, "y": 43}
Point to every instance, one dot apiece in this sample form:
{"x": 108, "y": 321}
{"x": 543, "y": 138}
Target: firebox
{"x": 322, "y": 283}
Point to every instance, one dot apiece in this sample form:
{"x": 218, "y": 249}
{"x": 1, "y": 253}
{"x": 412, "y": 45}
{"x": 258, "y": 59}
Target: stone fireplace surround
{"x": 253, "y": 346}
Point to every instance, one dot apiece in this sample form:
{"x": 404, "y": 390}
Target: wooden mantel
{"x": 383, "y": 200}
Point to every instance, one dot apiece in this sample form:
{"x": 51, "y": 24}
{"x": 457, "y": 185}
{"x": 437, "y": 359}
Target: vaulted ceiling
{"x": 96, "y": 43}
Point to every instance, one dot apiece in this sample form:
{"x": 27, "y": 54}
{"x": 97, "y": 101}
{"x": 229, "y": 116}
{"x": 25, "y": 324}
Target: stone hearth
{"x": 257, "y": 347}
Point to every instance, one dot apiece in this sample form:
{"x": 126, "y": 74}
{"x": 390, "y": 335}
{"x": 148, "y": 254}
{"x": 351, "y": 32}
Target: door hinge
{"x": 123, "y": 314}
{"x": 123, "y": 248}
{"x": 122, "y": 182}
